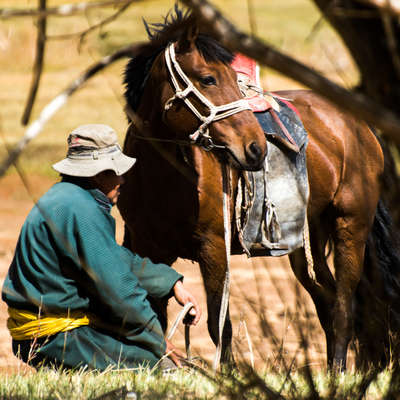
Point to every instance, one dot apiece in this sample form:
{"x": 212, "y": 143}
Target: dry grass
{"x": 52, "y": 384}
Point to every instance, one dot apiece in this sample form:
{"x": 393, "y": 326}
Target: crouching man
{"x": 75, "y": 297}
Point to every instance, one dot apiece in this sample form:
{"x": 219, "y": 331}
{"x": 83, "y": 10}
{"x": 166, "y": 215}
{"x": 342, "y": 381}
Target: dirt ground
{"x": 268, "y": 307}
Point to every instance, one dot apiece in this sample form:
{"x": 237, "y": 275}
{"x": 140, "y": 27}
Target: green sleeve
{"x": 157, "y": 279}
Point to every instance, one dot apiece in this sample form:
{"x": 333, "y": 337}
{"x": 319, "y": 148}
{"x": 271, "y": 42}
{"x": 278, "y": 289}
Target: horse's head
{"x": 192, "y": 89}
{"x": 202, "y": 101}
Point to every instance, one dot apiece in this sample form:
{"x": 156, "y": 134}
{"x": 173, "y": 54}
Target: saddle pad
{"x": 271, "y": 203}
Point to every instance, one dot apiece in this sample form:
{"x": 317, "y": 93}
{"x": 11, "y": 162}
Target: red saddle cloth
{"x": 248, "y": 72}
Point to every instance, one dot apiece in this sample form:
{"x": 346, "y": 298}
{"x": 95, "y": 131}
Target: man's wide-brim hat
{"x": 93, "y": 148}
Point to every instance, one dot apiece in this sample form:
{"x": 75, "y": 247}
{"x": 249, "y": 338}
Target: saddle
{"x": 271, "y": 203}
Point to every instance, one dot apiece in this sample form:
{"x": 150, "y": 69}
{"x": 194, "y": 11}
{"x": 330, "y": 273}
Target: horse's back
{"x": 344, "y": 157}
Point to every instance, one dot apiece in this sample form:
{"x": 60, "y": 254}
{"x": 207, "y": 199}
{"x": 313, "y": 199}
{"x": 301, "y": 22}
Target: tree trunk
{"x": 373, "y": 38}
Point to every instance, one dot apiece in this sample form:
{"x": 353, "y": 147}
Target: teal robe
{"x": 67, "y": 259}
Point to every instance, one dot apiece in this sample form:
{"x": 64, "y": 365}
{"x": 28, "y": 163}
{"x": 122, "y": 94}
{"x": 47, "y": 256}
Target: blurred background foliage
{"x": 294, "y": 27}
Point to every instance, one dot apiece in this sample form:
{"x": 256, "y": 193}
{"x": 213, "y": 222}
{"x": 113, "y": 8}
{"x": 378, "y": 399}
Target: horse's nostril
{"x": 255, "y": 150}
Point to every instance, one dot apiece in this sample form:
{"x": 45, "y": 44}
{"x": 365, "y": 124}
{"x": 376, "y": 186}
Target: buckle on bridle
{"x": 204, "y": 140}
{"x": 206, "y": 143}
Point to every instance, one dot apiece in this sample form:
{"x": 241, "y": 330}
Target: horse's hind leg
{"x": 323, "y": 293}
{"x": 333, "y": 298}
{"x": 349, "y": 243}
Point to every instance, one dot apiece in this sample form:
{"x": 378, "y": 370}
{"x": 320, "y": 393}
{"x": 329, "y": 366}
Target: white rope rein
{"x": 226, "y": 181}
{"x": 178, "y": 319}
{"x": 308, "y": 252}
{"x": 186, "y": 308}
{"x": 216, "y": 112}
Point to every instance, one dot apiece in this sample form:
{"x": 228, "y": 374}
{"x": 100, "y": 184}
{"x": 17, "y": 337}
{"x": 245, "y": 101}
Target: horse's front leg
{"x": 213, "y": 269}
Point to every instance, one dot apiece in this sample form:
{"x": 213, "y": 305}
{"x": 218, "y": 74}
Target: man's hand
{"x": 183, "y": 296}
{"x": 173, "y": 353}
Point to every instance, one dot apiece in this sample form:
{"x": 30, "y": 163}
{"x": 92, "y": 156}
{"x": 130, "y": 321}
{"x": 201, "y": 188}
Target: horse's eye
{"x": 208, "y": 80}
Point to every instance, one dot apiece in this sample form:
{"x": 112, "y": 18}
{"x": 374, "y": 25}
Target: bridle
{"x": 201, "y": 136}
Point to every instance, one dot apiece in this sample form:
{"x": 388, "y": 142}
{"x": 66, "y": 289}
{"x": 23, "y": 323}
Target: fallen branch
{"x": 51, "y": 108}
{"x": 356, "y": 103}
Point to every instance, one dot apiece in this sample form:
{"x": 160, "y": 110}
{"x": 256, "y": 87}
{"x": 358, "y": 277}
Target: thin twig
{"x": 356, "y": 103}
{"x": 315, "y": 28}
{"x": 337, "y": 68}
{"x": 84, "y": 33}
{"x": 38, "y": 64}
{"x": 65, "y": 10}
{"x": 252, "y": 18}
{"x": 249, "y": 343}
{"x": 51, "y": 108}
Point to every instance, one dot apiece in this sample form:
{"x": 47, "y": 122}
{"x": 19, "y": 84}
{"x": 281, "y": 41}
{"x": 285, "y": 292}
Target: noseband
{"x": 201, "y": 136}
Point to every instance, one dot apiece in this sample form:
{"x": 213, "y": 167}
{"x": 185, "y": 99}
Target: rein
{"x": 201, "y": 136}
{"x": 208, "y": 147}
{"x": 226, "y": 187}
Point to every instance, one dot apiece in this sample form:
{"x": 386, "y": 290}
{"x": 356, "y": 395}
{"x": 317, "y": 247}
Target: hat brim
{"x": 117, "y": 162}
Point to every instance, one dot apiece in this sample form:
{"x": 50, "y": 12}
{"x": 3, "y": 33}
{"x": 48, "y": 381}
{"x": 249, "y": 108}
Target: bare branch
{"x": 38, "y": 64}
{"x": 64, "y": 10}
{"x": 83, "y": 34}
{"x": 353, "y": 13}
{"x": 356, "y": 103}
{"x": 390, "y": 6}
{"x": 51, "y": 108}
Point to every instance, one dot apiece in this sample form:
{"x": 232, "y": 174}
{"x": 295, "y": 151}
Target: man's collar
{"x": 102, "y": 199}
{"x": 85, "y": 184}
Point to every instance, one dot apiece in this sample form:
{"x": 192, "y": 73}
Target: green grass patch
{"x": 52, "y": 384}
{"x": 191, "y": 384}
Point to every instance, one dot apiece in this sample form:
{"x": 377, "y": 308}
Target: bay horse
{"x": 172, "y": 199}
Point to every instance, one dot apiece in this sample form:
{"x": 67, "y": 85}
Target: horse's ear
{"x": 187, "y": 40}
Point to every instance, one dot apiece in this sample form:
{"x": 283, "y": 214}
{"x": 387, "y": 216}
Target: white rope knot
{"x": 195, "y": 135}
{"x": 181, "y": 94}
{"x": 169, "y": 103}
{"x": 215, "y": 112}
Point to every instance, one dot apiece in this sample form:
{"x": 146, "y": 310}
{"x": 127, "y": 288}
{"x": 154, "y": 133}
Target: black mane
{"x": 160, "y": 35}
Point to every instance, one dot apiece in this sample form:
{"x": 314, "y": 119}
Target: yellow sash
{"x": 25, "y": 325}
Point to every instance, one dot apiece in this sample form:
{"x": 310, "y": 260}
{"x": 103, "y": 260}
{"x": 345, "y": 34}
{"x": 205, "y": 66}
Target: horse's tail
{"x": 377, "y": 301}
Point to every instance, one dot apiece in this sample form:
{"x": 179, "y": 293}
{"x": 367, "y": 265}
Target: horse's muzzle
{"x": 254, "y": 158}
{"x": 254, "y": 154}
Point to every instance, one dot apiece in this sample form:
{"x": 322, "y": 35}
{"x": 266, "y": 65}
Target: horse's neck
{"x": 157, "y": 160}
{"x": 168, "y": 188}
